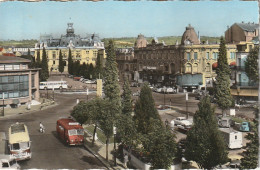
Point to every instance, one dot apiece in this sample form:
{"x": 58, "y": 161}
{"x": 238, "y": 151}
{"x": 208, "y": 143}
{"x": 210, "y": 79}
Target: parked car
{"x": 136, "y": 93}
{"x": 159, "y": 90}
{"x": 8, "y": 162}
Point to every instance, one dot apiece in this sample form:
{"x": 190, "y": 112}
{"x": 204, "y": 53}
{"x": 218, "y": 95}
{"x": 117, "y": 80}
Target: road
{"x": 48, "y": 151}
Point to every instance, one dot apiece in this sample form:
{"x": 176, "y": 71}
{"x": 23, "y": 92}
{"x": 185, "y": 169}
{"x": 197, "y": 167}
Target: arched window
{"x": 188, "y": 68}
{"x": 195, "y": 68}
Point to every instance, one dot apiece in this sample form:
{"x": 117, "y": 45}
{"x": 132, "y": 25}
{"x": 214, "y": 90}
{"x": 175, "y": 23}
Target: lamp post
{"x": 164, "y": 90}
{"x": 114, "y": 131}
{"x": 187, "y": 114}
{"x": 87, "y": 94}
{"x": 53, "y": 93}
{"x": 3, "y": 114}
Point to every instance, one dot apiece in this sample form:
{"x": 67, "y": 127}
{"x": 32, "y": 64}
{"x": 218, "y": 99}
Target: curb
{"x": 98, "y": 157}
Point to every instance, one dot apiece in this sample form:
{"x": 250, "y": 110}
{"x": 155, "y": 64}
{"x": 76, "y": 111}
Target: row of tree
{"x": 86, "y": 70}
{"x": 144, "y": 130}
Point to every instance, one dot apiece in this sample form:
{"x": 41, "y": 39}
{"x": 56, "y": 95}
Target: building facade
{"x": 190, "y": 65}
{"x": 86, "y": 50}
{"x": 243, "y": 88}
{"x": 126, "y": 63}
{"x": 18, "y": 83}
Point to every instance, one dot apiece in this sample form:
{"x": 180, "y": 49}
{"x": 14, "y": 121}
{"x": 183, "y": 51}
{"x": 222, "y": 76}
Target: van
{"x": 8, "y": 162}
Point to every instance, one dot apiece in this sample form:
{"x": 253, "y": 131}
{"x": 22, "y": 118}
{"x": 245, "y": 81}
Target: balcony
{"x": 247, "y": 84}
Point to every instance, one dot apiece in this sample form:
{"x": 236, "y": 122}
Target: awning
{"x": 215, "y": 65}
{"x": 233, "y": 63}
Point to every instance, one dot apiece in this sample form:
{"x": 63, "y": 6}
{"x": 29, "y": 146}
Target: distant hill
{"x": 119, "y": 42}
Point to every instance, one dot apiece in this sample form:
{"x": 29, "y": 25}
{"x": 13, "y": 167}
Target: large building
{"x": 84, "y": 49}
{"x": 242, "y": 32}
{"x": 126, "y": 63}
{"x": 18, "y": 83}
{"x": 189, "y": 65}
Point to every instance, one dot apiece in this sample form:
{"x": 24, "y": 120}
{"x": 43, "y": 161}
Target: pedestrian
{"x": 125, "y": 160}
{"x": 166, "y": 123}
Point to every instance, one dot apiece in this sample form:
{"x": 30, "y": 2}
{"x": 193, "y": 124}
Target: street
{"x": 48, "y": 152}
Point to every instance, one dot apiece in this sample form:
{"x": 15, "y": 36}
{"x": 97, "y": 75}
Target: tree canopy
{"x": 205, "y": 144}
{"x": 222, "y": 84}
{"x": 44, "y": 73}
{"x": 61, "y": 63}
{"x": 251, "y": 64}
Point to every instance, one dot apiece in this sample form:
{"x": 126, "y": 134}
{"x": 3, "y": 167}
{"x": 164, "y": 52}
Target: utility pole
{"x": 3, "y": 114}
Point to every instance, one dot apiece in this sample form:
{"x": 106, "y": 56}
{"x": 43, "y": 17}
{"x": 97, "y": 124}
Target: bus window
{"x": 16, "y": 146}
{"x": 72, "y": 132}
{"x": 24, "y": 145}
{"x": 80, "y": 132}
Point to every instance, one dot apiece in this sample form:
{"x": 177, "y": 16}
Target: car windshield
{"x": 80, "y": 132}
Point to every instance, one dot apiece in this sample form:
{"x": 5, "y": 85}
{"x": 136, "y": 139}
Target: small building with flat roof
{"x": 18, "y": 83}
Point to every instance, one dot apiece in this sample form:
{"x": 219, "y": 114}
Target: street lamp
{"x": 114, "y": 131}
{"x": 164, "y": 90}
{"x": 53, "y": 93}
{"x": 87, "y": 94}
{"x": 3, "y": 114}
{"x": 187, "y": 97}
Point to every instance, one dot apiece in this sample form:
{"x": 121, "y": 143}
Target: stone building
{"x": 18, "y": 83}
{"x": 84, "y": 49}
{"x": 126, "y": 63}
{"x": 241, "y": 32}
{"x": 189, "y": 65}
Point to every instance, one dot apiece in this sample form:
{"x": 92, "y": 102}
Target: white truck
{"x": 232, "y": 137}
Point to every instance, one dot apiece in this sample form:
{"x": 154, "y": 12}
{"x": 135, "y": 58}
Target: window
{"x": 8, "y": 67}
{"x": 5, "y": 165}
{"x": 215, "y": 56}
{"x": 195, "y": 68}
{"x": 208, "y": 67}
{"x": 53, "y": 62}
{"x": 2, "y": 67}
{"x": 188, "y": 56}
{"x": 207, "y": 56}
{"x": 188, "y": 68}
{"x": 232, "y": 55}
{"x": 16, "y": 67}
{"x": 195, "y": 56}
{"x": 235, "y": 137}
{"x": 54, "y": 54}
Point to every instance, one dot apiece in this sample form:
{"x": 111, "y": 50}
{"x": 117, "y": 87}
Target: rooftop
{"x": 248, "y": 26}
{"x": 11, "y": 59}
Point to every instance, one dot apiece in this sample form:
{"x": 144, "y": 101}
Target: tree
{"x": 82, "y": 112}
{"x": 61, "y": 63}
{"x": 161, "y": 146}
{"x": 250, "y": 155}
{"x": 44, "y": 65}
{"x": 205, "y": 144}
{"x": 107, "y": 120}
{"x": 145, "y": 110}
{"x": 91, "y": 71}
{"x": 222, "y": 85}
{"x": 32, "y": 64}
{"x": 70, "y": 63}
{"x": 99, "y": 67}
{"x": 251, "y": 64}
{"x": 38, "y": 60}
{"x": 76, "y": 67}
{"x": 126, "y": 98}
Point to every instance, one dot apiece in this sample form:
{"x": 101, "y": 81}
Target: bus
{"x": 53, "y": 85}
{"x": 19, "y": 141}
{"x": 70, "y": 131}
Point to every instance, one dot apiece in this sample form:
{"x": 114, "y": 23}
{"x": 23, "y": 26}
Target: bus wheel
{"x": 60, "y": 87}
{"x": 45, "y": 88}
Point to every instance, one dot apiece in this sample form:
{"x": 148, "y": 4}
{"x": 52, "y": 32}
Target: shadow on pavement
{"x": 91, "y": 160}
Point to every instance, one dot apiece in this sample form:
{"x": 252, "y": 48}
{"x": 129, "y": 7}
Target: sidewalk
{"x": 44, "y": 104}
{"x": 99, "y": 150}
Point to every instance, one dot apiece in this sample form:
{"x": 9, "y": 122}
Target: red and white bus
{"x": 70, "y": 131}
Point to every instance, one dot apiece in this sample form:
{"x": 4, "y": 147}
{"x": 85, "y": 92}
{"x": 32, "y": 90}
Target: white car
{"x": 182, "y": 121}
{"x": 159, "y": 90}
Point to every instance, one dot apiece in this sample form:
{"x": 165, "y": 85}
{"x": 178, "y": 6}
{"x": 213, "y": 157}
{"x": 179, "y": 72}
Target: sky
{"x": 112, "y": 19}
